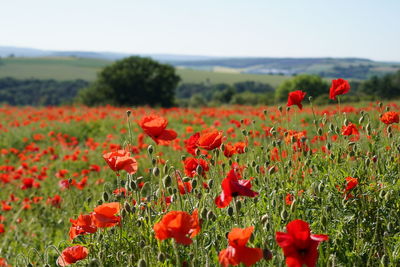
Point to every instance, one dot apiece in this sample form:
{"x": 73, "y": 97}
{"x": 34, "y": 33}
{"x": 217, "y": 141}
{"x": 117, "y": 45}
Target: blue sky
{"x": 280, "y": 28}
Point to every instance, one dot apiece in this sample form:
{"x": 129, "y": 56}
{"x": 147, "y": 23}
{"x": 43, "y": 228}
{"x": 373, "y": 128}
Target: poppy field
{"x": 266, "y": 186}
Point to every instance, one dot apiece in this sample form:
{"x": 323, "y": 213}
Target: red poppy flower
{"x": 390, "y": 117}
{"x": 3, "y": 263}
{"x": 191, "y": 143}
{"x": 179, "y": 225}
{"x": 184, "y": 187}
{"x": 54, "y": 201}
{"x": 233, "y": 187}
{"x": 299, "y": 246}
{"x": 350, "y": 129}
{"x": 338, "y": 87}
{"x": 82, "y": 226}
{"x": 2, "y": 228}
{"x": 351, "y": 183}
{"x": 295, "y": 98}
{"x": 154, "y": 126}
{"x": 104, "y": 215}
{"x": 237, "y": 252}
{"x": 210, "y": 139}
{"x": 191, "y": 166}
{"x": 121, "y": 160}
{"x": 71, "y": 255}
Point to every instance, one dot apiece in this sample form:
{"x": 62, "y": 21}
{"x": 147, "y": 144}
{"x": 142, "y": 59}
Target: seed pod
{"x": 161, "y": 257}
{"x": 194, "y": 183}
{"x": 199, "y": 169}
{"x": 387, "y": 108}
{"x": 244, "y": 132}
{"x": 142, "y": 263}
{"x": 156, "y": 171}
{"x": 319, "y": 131}
{"x": 127, "y": 207}
{"x": 197, "y": 152}
{"x": 210, "y": 183}
{"x": 167, "y": 180}
{"x": 284, "y": 215}
{"x": 211, "y": 216}
{"x": 265, "y": 112}
{"x": 105, "y": 196}
{"x": 271, "y": 170}
{"x": 280, "y": 109}
{"x": 230, "y": 211}
{"x": 257, "y": 169}
{"x": 287, "y": 109}
{"x": 150, "y": 149}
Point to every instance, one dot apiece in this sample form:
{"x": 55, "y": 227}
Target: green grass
{"x": 69, "y": 68}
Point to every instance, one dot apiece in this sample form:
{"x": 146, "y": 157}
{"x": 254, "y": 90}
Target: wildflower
{"x": 104, "y": 215}
{"x": 338, "y": 87}
{"x": 350, "y": 129}
{"x": 295, "y": 98}
{"x": 210, "y": 139}
{"x": 121, "y": 160}
{"x": 81, "y": 226}
{"x": 300, "y": 247}
{"x": 2, "y": 228}
{"x": 390, "y": 117}
{"x": 233, "y": 187}
{"x": 54, "y": 201}
{"x": 179, "y": 225}
{"x": 191, "y": 165}
{"x": 154, "y": 126}
{"x": 351, "y": 183}
{"x": 191, "y": 143}
{"x": 71, "y": 255}
{"x": 237, "y": 252}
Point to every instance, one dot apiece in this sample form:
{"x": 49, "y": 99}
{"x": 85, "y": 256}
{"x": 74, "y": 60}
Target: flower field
{"x": 263, "y": 186}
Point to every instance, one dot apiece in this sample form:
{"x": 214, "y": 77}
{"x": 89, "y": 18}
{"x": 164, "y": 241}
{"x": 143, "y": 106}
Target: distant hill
{"x": 71, "y": 68}
{"x": 349, "y": 68}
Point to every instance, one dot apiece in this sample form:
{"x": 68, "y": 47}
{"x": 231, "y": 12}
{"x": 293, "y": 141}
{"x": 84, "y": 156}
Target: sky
{"x": 233, "y": 28}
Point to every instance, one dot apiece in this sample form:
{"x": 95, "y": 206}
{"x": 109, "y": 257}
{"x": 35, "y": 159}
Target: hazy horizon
{"x": 301, "y": 29}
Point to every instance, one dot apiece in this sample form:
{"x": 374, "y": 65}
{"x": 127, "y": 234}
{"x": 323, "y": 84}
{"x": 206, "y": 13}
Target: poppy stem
{"x": 236, "y": 211}
{"x": 178, "y": 261}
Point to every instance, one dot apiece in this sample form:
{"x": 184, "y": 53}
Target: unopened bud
{"x": 150, "y": 149}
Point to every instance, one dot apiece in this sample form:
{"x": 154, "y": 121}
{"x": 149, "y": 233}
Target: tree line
{"x": 138, "y": 81}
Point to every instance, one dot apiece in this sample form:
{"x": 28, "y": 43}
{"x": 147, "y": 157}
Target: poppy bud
{"x": 167, "y": 180}
{"x": 244, "y": 132}
{"x": 267, "y": 254}
{"x": 211, "y": 216}
{"x": 89, "y": 199}
{"x": 265, "y": 112}
{"x": 29, "y": 265}
{"x": 199, "y": 169}
{"x": 271, "y": 170}
{"x": 280, "y": 109}
{"x": 257, "y": 169}
{"x": 165, "y": 168}
{"x": 319, "y": 131}
{"x": 156, "y": 171}
{"x": 230, "y": 211}
{"x": 387, "y": 108}
{"x": 150, "y": 149}
{"x": 132, "y": 185}
{"x": 385, "y": 260}
{"x": 105, "y": 196}
{"x": 127, "y": 207}
{"x": 367, "y": 161}
{"x": 321, "y": 187}
{"x": 141, "y": 263}
{"x": 331, "y": 128}
{"x": 389, "y": 129}
{"x": 161, "y": 257}
{"x": 197, "y": 152}
{"x": 194, "y": 183}
{"x": 284, "y": 215}
{"x": 361, "y": 120}
{"x": 265, "y": 219}
{"x": 128, "y": 113}
{"x": 310, "y": 98}
{"x": 210, "y": 183}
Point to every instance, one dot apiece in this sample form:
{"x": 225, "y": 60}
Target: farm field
{"x": 94, "y": 178}
{"x": 69, "y": 68}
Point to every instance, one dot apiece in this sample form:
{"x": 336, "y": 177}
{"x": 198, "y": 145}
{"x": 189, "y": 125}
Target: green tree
{"x": 133, "y": 81}
{"x": 313, "y": 85}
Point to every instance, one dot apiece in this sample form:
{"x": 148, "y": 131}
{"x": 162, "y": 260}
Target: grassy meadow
{"x": 70, "y": 68}
{"x": 334, "y": 167}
